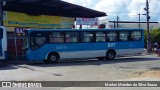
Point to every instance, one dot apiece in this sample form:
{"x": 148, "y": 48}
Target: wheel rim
{"x": 53, "y": 58}
{"x": 110, "y": 55}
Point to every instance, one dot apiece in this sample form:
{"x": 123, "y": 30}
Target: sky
{"x": 126, "y": 10}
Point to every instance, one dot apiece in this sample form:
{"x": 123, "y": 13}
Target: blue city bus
{"x": 3, "y": 43}
{"x": 52, "y": 45}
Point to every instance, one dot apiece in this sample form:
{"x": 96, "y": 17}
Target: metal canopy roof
{"x": 50, "y": 7}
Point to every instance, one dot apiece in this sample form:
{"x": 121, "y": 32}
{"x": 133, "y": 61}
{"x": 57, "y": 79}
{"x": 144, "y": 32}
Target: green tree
{"x": 154, "y": 36}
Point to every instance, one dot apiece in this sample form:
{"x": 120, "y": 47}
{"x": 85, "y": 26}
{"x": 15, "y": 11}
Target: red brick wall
{"x": 11, "y": 45}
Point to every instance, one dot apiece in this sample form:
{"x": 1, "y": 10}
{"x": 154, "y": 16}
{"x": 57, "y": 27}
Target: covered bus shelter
{"x": 45, "y": 7}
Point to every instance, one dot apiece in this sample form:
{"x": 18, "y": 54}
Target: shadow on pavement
{"x": 78, "y": 62}
{"x": 8, "y": 68}
{"x": 91, "y": 62}
{"x": 5, "y": 66}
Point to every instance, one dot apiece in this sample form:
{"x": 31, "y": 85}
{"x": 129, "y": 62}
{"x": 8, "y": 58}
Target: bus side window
{"x": 107, "y": 39}
{"x": 87, "y": 37}
{"x": 100, "y": 37}
{"x": 124, "y": 36}
{"x": 112, "y": 36}
{"x": 72, "y": 37}
{"x": 136, "y": 35}
{"x": 56, "y": 37}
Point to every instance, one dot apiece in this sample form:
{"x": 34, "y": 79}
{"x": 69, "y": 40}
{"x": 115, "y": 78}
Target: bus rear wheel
{"x": 52, "y": 58}
{"x": 110, "y": 55}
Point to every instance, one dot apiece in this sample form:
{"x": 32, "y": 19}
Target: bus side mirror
{"x": 1, "y": 33}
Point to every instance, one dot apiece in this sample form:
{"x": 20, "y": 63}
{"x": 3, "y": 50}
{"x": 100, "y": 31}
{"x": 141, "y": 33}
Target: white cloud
{"x": 113, "y": 8}
{"x": 111, "y": 5}
{"x": 85, "y": 3}
{"x": 136, "y": 7}
{"x": 125, "y": 9}
{"x": 154, "y": 10}
{"x": 139, "y": 5}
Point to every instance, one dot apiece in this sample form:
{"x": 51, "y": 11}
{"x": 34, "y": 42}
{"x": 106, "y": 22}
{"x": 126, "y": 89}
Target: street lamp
{"x": 139, "y": 19}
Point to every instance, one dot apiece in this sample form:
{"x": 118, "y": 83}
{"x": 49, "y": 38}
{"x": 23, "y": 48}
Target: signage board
{"x": 87, "y": 21}
{"x": 14, "y": 19}
{"x": 20, "y": 31}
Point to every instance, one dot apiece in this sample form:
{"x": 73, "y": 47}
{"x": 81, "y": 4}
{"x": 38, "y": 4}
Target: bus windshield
{"x": 37, "y": 40}
{"x": 25, "y": 42}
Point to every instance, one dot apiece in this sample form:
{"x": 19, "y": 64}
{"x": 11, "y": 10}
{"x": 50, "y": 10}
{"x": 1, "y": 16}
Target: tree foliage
{"x": 154, "y": 35}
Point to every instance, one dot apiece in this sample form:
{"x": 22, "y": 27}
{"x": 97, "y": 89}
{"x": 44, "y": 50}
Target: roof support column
{"x": 1, "y": 12}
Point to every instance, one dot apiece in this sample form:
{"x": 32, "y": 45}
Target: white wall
{"x": 136, "y": 25}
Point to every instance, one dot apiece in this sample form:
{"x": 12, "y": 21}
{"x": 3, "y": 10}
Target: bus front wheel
{"x": 110, "y": 54}
{"x": 52, "y": 58}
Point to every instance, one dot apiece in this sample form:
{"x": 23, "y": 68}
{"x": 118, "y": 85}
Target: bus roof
{"x": 82, "y": 29}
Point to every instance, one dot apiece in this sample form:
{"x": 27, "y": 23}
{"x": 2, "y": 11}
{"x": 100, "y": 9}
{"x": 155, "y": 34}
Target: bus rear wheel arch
{"x": 110, "y": 55}
{"x": 53, "y": 57}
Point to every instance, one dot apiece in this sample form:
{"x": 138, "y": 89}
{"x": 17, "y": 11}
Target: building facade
{"x": 128, "y": 24}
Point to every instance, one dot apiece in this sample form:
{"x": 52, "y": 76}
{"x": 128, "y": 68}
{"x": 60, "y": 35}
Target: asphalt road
{"x": 137, "y": 68}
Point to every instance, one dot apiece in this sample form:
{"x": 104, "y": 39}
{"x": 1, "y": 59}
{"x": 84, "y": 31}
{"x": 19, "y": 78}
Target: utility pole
{"x": 139, "y": 20}
{"x": 1, "y": 12}
{"x": 148, "y": 33}
{"x": 114, "y": 24}
{"x": 117, "y": 21}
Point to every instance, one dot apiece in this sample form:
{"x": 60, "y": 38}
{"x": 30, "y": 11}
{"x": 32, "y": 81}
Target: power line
{"x": 117, "y": 12}
{"x": 154, "y": 12}
{"x": 133, "y": 12}
{"x": 122, "y": 12}
{"x": 151, "y": 0}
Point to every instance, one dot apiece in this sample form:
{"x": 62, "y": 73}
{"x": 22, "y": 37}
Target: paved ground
{"x": 138, "y": 68}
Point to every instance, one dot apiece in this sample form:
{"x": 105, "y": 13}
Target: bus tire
{"x": 52, "y": 58}
{"x": 110, "y": 55}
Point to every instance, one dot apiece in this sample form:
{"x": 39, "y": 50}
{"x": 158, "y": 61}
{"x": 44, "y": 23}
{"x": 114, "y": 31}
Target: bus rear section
{"x": 3, "y": 43}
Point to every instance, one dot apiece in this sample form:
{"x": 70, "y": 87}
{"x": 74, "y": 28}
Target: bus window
{"x": 123, "y": 36}
{"x": 136, "y": 35}
{"x": 1, "y": 33}
{"x": 87, "y": 37}
{"x": 56, "y": 37}
{"x": 100, "y": 37}
{"x": 37, "y": 40}
{"x": 40, "y": 40}
{"x": 72, "y": 37}
{"x": 112, "y": 36}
